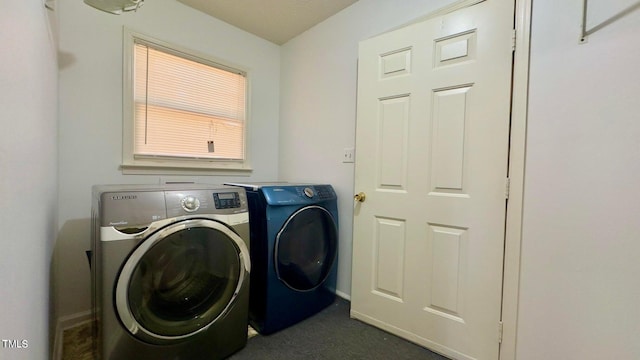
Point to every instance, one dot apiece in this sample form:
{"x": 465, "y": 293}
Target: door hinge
{"x": 499, "y": 332}
{"x": 507, "y": 187}
{"x": 513, "y": 40}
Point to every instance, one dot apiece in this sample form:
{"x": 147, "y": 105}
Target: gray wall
{"x": 28, "y": 175}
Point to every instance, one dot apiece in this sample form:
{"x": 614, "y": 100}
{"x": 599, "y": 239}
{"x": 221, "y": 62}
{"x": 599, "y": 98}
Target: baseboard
{"x": 67, "y": 322}
{"x": 343, "y": 295}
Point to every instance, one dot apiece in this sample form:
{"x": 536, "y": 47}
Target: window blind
{"x": 187, "y": 109}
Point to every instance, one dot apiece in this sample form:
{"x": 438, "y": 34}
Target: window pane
{"x": 181, "y": 106}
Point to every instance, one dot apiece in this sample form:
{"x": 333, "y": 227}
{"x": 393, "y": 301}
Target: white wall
{"x": 581, "y": 249}
{"x": 318, "y": 102}
{"x": 28, "y": 175}
{"x": 91, "y": 113}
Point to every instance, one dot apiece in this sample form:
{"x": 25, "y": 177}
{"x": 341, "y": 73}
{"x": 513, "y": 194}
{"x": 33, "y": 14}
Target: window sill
{"x": 167, "y": 168}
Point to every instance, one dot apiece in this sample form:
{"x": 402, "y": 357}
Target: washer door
{"x": 306, "y": 248}
{"x": 180, "y": 279}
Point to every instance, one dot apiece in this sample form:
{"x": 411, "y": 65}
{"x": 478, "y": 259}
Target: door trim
{"x": 517, "y": 152}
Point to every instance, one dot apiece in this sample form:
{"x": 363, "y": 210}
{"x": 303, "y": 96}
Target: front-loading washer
{"x": 294, "y": 251}
{"x": 170, "y": 271}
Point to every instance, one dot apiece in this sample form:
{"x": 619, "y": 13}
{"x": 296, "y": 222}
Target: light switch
{"x": 348, "y": 156}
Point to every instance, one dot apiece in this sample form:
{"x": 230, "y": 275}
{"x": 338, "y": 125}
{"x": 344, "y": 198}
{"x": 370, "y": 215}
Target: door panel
{"x": 432, "y": 136}
{"x": 389, "y": 257}
{"x": 393, "y": 127}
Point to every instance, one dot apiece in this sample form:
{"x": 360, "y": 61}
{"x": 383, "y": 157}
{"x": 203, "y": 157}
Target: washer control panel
{"x": 226, "y": 200}
{"x": 205, "y": 201}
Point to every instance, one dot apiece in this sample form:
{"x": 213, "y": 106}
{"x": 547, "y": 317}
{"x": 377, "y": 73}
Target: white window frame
{"x": 167, "y": 165}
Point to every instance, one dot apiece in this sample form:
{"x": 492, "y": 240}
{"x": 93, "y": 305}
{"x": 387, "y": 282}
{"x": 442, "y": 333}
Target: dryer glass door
{"x": 180, "y": 280}
{"x": 306, "y": 248}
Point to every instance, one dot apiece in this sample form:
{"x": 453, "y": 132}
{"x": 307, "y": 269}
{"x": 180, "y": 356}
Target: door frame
{"x": 517, "y": 154}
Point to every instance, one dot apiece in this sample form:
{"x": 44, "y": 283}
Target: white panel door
{"x": 432, "y": 147}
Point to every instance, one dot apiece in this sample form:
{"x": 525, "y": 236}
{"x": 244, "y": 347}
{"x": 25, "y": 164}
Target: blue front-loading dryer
{"x": 294, "y": 252}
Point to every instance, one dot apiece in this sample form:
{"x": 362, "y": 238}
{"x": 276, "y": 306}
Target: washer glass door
{"x": 180, "y": 280}
{"x": 306, "y": 248}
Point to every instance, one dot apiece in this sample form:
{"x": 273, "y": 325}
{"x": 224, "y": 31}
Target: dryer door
{"x": 180, "y": 279}
{"x": 306, "y": 248}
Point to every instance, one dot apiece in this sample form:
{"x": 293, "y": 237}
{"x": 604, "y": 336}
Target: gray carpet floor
{"x": 332, "y": 334}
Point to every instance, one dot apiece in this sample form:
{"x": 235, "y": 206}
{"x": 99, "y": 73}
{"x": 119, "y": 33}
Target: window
{"x": 183, "y": 111}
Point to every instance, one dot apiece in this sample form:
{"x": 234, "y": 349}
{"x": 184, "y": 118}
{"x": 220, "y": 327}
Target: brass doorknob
{"x": 360, "y": 197}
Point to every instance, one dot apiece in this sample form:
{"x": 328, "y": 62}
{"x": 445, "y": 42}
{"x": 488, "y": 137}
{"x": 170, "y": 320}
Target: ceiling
{"x": 275, "y": 20}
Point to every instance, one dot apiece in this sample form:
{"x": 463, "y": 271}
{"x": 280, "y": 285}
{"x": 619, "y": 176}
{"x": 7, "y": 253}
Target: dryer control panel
{"x": 320, "y": 192}
{"x": 298, "y": 194}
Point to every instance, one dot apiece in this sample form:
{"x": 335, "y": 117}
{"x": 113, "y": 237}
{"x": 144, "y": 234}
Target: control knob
{"x": 190, "y": 203}
{"x": 308, "y": 192}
